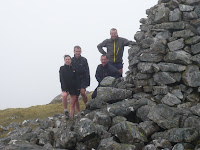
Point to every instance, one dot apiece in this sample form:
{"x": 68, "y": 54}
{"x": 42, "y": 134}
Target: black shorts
{"x": 74, "y": 92}
{"x": 83, "y": 83}
{"x": 117, "y": 65}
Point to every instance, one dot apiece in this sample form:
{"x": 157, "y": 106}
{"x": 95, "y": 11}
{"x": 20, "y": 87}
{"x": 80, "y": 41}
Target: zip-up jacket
{"x": 115, "y": 48}
{"x": 107, "y": 70}
{"x": 68, "y": 78}
{"x": 82, "y": 68}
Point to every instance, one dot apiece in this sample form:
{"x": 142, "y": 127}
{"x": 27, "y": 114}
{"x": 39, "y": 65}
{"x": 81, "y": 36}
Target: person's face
{"x": 77, "y": 52}
{"x": 104, "y": 60}
{"x": 68, "y": 60}
{"x": 113, "y": 34}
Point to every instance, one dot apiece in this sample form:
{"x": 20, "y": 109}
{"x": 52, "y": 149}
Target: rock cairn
{"x": 156, "y": 106}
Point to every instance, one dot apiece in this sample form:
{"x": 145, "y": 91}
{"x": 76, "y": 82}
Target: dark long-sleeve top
{"x": 115, "y": 48}
{"x": 68, "y": 78}
{"x": 81, "y": 66}
{"x": 107, "y": 70}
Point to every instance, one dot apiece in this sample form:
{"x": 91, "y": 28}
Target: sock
{"x": 65, "y": 110}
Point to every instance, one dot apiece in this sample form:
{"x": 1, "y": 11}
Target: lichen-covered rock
{"x": 149, "y": 127}
{"x": 125, "y": 107}
{"x": 195, "y": 48}
{"x": 191, "y": 76}
{"x": 164, "y": 116}
{"x": 176, "y": 45}
{"x": 177, "y": 135}
{"x": 124, "y": 132}
{"x": 175, "y": 15}
{"x": 170, "y": 100}
{"x": 107, "y": 81}
{"x": 165, "y": 67}
{"x": 179, "y": 57}
{"x": 163, "y": 78}
{"x": 108, "y": 94}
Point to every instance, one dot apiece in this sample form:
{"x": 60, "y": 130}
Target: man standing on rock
{"x": 115, "y": 48}
{"x": 105, "y": 70}
{"x": 81, "y": 66}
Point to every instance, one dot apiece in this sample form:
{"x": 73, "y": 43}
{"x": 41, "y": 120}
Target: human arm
{"x": 87, "y": 73}
{"x": 126, "y": 42}
{"x": 97, "y": 75}
{"x": 101, "y": 45}
{"x": 63, "y": 87}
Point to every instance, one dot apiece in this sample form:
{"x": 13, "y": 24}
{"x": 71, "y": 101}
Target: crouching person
{"x": 105, "y": 70}
{"x": 70, "y": 86}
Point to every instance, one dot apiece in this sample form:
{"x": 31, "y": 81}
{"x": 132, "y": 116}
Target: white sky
{"x": 36, "y": 34}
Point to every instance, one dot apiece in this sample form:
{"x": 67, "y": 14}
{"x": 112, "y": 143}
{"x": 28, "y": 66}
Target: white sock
{"x": 65, "y": 110}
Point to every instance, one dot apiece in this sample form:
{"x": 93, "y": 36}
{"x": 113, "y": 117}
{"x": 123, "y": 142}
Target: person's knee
{"x": 64, "y": 95}
{"x": 82, "y": 92}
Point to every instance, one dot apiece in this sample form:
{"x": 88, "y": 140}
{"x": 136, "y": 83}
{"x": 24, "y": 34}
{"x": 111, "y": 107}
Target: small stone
{"x": 175, "y": 15}
{"x": 170, "y": 100}
{"x": 176, "y": 45}
{"x": 162, "y": 14}
{"x": 189, "y": 16}
{"x": 183, "y": 34}
{"x": 179, "y": 57}
{"x": 107, "y": 81}
{"x": 183, "y": 7}
{"x": 195, "y": 48}
{"x": 193, "y": 40}
{"x": 163, "y": 78}
{"x": 191, "y": 76}
{"x": 165, "y": 67}
{"x": 157, "y": 90}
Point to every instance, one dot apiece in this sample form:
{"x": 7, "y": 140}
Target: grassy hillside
{"x": 39, "y": 111}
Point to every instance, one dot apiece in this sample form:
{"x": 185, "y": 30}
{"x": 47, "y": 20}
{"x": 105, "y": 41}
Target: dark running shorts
{"x": 83, "y": 84}
{"x": 74, "y": 92}
{"x": 116, "y": 65}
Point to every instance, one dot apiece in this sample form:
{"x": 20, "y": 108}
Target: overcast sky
{"x": 36, "y": 34}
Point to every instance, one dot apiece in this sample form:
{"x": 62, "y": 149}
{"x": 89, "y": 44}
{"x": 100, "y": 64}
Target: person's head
{"x": 113, "y": 33}
{"x": 67, "y": 59}
{"x": 104, "y": 60}
{"x": 77, "y": 51}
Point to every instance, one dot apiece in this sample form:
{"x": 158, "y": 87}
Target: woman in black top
{"x": 70, "y": 85}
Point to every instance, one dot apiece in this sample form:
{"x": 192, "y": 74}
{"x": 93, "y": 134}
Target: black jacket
{"x": 115, "y": 48}
{"x": 107, "y": 70}
{"x": 82, "y": 68}
{"x": 68, "y": 78}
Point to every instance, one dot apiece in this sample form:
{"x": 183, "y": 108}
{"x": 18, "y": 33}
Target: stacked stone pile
{"x": 165, "y": 62}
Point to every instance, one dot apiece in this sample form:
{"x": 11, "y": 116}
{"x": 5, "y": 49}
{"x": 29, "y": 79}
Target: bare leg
{"x": 64, "y": 99}
{"x": 72, "y": 105}
{"x": 77, "y": 104}
{"x": 85, "y": 99}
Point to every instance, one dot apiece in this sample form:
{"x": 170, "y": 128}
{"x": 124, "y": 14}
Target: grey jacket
{"x": 115, "y": 48}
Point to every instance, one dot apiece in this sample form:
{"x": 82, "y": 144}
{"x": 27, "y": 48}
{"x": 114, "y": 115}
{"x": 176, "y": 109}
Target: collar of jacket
{"x": 115, "y": 39}
{"x": 77, "y": 58}
{"x": 105, "y": 65}
{"x": 67, "y": 66}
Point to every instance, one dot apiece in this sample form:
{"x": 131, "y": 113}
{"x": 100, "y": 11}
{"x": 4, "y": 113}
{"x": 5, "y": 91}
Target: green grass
{"x": 39, "y": 111}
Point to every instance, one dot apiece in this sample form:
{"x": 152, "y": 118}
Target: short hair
{"x": 113, "y": 29}
{"x": 67, "y": 56}
{"x": 104, "y": 55}
{"x": 78, "y": 47}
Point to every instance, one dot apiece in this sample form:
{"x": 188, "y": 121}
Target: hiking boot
{"x": 66, "y": 115}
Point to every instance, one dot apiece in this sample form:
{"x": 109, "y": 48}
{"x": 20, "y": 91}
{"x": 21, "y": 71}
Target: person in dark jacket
{"x": 81, "y": 65}
{"x": 115, "y": 49}
{"x": 70, "y": 84}
{"x": 104, "y": 70}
